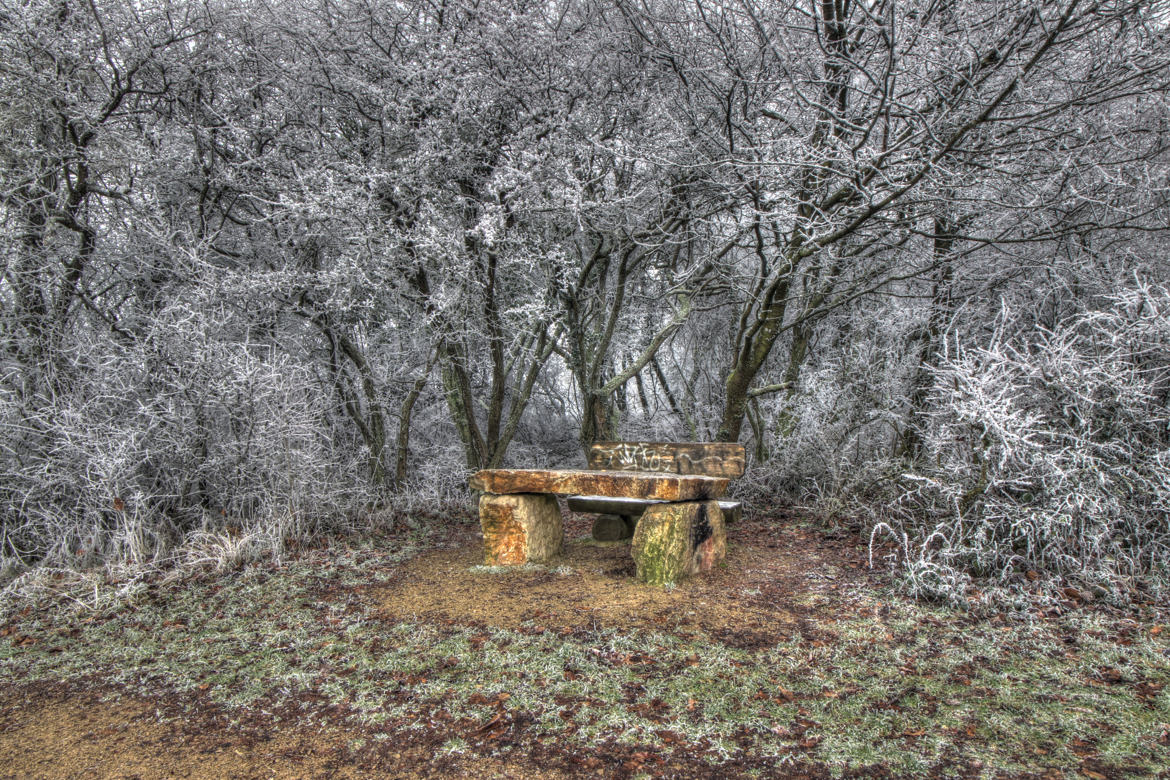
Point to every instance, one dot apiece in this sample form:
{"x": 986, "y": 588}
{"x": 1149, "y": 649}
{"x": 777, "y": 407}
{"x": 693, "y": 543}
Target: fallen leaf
{"x": 810, "y": 742}
{"x": 1111, "y": 675}
{"x": 491, "y": 724}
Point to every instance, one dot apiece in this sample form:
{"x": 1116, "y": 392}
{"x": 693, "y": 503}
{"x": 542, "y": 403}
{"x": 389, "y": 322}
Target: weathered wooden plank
{"x": 712, "y": 459}
{"x": 626, "y": 484}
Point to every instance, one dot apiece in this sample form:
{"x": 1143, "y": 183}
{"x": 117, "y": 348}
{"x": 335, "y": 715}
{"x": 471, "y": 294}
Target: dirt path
{"x": 55, "y": 732}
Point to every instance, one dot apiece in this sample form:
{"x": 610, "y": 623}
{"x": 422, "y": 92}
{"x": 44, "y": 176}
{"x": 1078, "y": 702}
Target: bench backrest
{"x": 715, "y": 459}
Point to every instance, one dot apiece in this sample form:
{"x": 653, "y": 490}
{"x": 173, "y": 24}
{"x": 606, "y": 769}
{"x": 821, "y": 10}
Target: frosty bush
{"x": 181, "y": 435}
{"x": 831, "y": 441}
{"x": 1045, "y": 452}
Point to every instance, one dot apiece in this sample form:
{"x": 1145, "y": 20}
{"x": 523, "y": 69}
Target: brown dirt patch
{"x": 758, "y": 598}
{"x": 53, "y": 732}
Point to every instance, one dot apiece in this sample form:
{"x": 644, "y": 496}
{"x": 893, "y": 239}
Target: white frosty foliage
{"x": 1046, "y": 451}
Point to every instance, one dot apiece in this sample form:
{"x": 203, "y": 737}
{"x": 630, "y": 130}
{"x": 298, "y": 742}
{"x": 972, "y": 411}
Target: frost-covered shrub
{"x": 183, "y": 434}
{"x": 1045, "y": 451}
{"x": 829, "y": 440}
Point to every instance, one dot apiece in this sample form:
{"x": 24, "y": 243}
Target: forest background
{"x": 275, "y": 269}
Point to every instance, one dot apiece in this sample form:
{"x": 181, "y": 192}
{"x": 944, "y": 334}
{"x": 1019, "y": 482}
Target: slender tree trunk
{"x": 755, "y": 347}
{"x": 797, "y": 352}
{"x": 402, "y": 440}
{"x": 461, "y": 403}
{"x": 909, "y": 444}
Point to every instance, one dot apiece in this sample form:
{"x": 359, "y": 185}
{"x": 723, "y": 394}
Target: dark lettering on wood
{"x": 713, "y": 459}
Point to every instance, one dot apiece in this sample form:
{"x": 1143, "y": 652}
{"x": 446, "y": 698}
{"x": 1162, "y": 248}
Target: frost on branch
{"x": 1046, "y": 452}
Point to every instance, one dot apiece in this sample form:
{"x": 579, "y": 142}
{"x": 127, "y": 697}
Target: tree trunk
{"x": 909, "y": 444}
{"x": 402, "y": 441}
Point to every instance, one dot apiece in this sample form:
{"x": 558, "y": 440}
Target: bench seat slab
{"x": 624, "y": 484}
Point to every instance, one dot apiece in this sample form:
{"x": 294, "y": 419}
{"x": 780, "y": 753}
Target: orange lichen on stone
{"x": 520, "y": 528}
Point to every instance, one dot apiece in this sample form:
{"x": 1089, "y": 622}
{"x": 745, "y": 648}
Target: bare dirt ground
{"x": 69, "y": 733}
{"x": 759, "y": 597}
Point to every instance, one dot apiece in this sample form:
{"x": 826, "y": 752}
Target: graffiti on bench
{"x": 631, "y": 457}
{"x": 707, "y": 464}
{"x": 713, "y": 459}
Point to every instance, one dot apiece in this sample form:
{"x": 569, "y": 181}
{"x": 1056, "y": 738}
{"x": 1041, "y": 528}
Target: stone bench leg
{"x": 675, "y": 541}
{"x": 613, "y": 528}
{"x": 519, "y": 528}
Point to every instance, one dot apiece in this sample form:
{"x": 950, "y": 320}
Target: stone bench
{"x": 680, "y": 527}
{"x": 618, "y": 516}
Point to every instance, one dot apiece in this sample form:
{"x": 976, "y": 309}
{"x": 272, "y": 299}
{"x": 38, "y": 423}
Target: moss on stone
{"x": 664, "y": 543}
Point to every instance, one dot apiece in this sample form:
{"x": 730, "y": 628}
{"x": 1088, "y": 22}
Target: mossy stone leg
{"x": 611, "y": 528}
{"x": 675, "y": 541}
{"x": 520, "y": 528}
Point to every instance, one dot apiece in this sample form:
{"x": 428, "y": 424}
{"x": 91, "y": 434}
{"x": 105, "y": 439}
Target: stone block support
{"x": 520, "y": 528}
{"x": 612, "y": 528}
{"x": 675, "y": 541}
